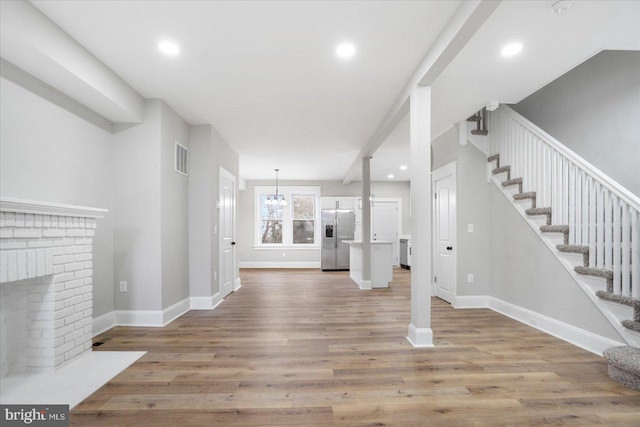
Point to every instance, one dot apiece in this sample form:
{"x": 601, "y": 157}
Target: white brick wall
{"x": 46, "y": 310}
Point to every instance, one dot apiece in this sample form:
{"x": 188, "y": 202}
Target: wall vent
{"x": 182, "y": 159}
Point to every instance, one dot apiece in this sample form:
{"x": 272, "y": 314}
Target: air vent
{"x": 182, "y": 159}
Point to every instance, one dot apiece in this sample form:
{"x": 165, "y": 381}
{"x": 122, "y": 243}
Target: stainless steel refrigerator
{"x": 337, "y": 225}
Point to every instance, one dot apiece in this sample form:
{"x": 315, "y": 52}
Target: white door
{"x": 227, "y": 218}
{"x": 444, "y": 218}
{"x": 384, "y": 225}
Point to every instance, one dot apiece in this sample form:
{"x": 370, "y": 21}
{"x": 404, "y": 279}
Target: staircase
{"x": 593, "y": 222}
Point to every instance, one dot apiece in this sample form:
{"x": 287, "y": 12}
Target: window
{"x": 271, "y": 217}
{"x": 293, "y": 225}
{"x": 304, "y": 218}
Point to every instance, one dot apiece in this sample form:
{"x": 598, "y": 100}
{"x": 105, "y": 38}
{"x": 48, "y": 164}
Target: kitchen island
{"x": 381, "y": 264}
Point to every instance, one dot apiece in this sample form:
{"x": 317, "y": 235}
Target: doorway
{"x": 444, "y": 182}
{"x": 227, "y": 225}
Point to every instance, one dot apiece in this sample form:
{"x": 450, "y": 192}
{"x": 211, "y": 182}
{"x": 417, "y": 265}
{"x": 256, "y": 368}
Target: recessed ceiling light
{"x": 391, "y": 176}
{"x": 168, "y": 47}
{"x": 345, "y": 50}
{"x": 403, "y": 168}
{"x": 511, "y": 49}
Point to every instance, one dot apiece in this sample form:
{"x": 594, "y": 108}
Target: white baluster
{"x": 635, "y": 254}
{"x": 592, "y": 222}
{"x": 573, "y": 185}
{"x": 599, "y": 227}
{"x": 608, "y": 230}
{"x": 617, "y": 240}
{"x": 626, "y": 250}
{"x": 578, "y": 207}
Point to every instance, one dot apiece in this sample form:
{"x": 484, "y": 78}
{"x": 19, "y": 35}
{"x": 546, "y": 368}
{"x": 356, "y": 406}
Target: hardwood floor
{"x": 303, "y": 347}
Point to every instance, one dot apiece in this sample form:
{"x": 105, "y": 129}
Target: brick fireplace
{"x": 46, "y": 283}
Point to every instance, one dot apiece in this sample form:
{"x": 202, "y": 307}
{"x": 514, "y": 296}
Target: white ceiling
{"x": 264, "y": 73}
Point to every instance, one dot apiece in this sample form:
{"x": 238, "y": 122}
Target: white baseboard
{"x": 471, "y": 301}
{"x": 205, "y": 303}
{"x": 103, "y": 323}
{"x": 268, "y": 264}
{"x": 420, "y": 337}
{"x": 365, "y": 285}
{"x": 171, "y": 313}
{"x": 572, "y": 334}
{"x": 152, "y": 318}
{"x": 237, "y": 285}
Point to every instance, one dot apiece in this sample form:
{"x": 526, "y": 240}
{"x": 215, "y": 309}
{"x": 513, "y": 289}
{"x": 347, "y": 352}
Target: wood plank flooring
{"x": 307, "y": 348}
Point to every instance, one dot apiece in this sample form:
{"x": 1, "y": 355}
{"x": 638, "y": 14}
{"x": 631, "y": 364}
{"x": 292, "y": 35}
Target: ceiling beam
{"x": 464, "y": 23}
{"x": 35, "y": 44}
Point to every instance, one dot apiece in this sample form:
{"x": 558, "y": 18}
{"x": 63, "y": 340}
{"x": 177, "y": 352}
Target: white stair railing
{"x": 600, "y": 213}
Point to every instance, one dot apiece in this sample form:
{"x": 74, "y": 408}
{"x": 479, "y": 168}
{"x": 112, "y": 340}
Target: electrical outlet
{"x": 284, "y": 254}
{"x": 123, "y": 286}
{"x": 470, "y": 278}
{"x": 215, "y": 275}
{"x": 469, "y": 228}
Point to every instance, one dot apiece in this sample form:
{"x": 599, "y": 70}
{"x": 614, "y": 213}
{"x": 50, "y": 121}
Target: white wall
{"x": 201, "y": 211}
{"x": 174, "y": 202}
{"x": 473, "y": 256}
{"x": 594, "y": 110}
{"x": 525, "y": 273}
{"x": 208, "y": 151}
{"x": 49, "y": 154}
{"x": 137, "y": 212}
{"x": 443, "y": 148}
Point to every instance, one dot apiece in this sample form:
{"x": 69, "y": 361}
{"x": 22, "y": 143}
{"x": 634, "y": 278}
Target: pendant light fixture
{"x": 276, "y": 199}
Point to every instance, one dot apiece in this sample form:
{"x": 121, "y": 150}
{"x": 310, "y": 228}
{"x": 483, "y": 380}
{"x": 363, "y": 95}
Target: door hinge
{"x": 435, "y": 195}
{"x": 435, "y": 279}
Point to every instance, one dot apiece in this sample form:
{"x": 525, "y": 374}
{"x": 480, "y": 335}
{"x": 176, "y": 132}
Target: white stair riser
{"x": 574, "y": 259}
{"x": 554, "y": 238}
{"x": 538, "y": 220}
{"x": 594, "y": 282}
{"x": 620, "y": 311}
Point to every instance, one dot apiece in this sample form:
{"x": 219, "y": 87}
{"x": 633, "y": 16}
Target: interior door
{"x": 444, "y": 189}
{"x": 227, "y": 250}
{"x": 384, "y": 225}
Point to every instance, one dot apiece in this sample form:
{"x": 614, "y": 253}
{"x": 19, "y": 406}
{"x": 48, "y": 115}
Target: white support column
{"x": 366, "y": 222}
{"x": 420, "y": 334}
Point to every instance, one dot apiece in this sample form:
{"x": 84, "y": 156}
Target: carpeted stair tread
{"x": 630, "y": 301}
{"x": 531, "y": 195}
{"x": 630, "y": 324}
{"x": 577, "y": 249}
{"x": 554, "y": 228}
{"x": 493, "y": 157}
{"x": 540, "y": 211}
{"x": 597, "y": 272}
{"x": 522, "y": 196}
{"x": 564, "y": 229}
{"x": 624, "y": 365}
{"x": 514, "y": 181}
{"x": 502, "y": 169}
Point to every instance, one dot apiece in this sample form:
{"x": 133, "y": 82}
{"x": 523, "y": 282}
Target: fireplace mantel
{"x": 10, "y": 204}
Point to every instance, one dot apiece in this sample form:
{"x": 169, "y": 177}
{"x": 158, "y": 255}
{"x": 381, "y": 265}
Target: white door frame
{"x": 450, "y": 169}
{"x": 223, "y": 173}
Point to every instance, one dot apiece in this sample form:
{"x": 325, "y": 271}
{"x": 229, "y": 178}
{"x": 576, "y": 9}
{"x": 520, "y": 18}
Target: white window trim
{"x": 287, "y": 226}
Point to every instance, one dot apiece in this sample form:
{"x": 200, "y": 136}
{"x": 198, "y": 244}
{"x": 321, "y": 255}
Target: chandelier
{"x": 276, "y": 199}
